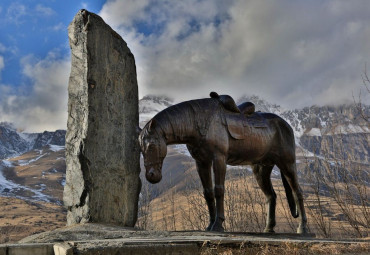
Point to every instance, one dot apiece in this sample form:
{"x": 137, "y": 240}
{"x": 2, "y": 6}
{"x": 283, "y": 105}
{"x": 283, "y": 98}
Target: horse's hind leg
{"x": 290, "y": 173}
{"x": 204, "y": 171}
{"x": 219, "y": 168}
{"x": 262, "y": 174}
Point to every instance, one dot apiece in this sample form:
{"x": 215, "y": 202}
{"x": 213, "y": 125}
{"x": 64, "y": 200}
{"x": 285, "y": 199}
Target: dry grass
{"x": 245, "y": 210}
{"x": 19, "y": 218}
{"x": 48, "y": 170}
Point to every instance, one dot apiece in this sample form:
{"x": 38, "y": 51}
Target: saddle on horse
{"x": 229, "y": 104}
{"x": 239, "y": 119}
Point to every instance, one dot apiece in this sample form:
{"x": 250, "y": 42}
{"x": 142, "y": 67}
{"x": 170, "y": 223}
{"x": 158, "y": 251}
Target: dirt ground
{"x": 20, "y": 218}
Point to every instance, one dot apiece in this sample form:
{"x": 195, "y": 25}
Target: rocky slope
{"x": 13, "y": 142}
{"x": 37, "y": 175}
{"x": 330, "y": 131}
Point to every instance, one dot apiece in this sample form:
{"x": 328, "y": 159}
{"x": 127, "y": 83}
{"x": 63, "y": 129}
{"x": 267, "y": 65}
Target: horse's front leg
{"x": 219, "y": 168}
{"x": 204, "y": 171}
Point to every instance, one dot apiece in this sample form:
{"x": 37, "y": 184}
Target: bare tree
{"x": 360, "y": 106}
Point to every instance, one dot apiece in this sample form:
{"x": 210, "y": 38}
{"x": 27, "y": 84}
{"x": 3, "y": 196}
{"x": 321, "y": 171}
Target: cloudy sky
{"x": 293, "y": 53}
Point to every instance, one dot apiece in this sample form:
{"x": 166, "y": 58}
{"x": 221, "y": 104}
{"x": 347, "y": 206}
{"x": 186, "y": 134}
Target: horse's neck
{"x": 177, "y": 124}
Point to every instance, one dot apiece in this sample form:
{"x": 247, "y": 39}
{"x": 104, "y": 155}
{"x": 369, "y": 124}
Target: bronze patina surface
{"x": 217, "y": 132}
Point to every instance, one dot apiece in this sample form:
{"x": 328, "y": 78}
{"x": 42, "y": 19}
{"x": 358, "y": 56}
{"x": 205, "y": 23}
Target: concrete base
{"x": 105, "y": 239}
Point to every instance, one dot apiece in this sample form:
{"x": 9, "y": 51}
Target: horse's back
{"x": 284, "y": 143}
{"x": 285, "y": 130}
{"x": 262, "y": 136}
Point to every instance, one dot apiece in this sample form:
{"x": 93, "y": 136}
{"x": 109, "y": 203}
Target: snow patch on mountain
{"x": 11, "y": 189}
{"x": 314, "y": 132}
{"x": 7, "y": 163}
{"x": 26, "y": 163}
{"x": 56, "y": 148}
{"x": 348, "y": 129}
{"x": 182, "y": 149}
{"x": 28, "y": 137}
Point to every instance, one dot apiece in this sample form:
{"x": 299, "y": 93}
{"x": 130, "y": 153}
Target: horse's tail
{"x": 289, "y": 195}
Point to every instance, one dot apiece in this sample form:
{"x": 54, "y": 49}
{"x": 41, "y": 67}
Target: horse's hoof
{"x": 217, "y": 228}
{"x": 209, "y": 228}
{"x": 302, "y": 230}
{"x": 268, "y": 230}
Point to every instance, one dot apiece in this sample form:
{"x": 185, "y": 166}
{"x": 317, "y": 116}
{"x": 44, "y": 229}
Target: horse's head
{"x": 154, "y": 149}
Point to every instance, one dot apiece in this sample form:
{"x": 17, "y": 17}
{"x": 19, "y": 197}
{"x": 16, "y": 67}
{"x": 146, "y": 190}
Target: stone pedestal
{"x": 102, "y": 152}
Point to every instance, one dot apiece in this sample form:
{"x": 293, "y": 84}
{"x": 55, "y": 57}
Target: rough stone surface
{"x": 30, "y": 249}
{"x": 146, "y": 249}
{"x": 108, "y": 239}
{"x": 102, "y": 152}
{"x": 63, "y": 249}
{"x": 94, "y": 232}
{"x": 3, "y": 250}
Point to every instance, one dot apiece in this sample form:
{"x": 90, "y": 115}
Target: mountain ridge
{"x": 309, "y": 124}
{"x": 13, "y": 142}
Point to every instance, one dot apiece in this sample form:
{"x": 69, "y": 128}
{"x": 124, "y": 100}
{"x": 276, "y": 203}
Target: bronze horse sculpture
{"x": 217, "y": 132}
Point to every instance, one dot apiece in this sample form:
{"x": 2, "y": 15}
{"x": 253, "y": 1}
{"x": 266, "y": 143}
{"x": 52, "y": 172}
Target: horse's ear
{"x": 152, "y": 125}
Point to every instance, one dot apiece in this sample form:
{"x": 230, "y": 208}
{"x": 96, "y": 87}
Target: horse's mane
{"x": 183, "y": 114}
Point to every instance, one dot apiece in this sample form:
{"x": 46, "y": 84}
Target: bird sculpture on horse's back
{"x": 217, "y": 132}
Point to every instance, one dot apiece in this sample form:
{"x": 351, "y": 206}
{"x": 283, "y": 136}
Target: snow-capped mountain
{"x": 326, "y": 131}
{"x": 332, "y": 131}
{"x": 317, "y": 120}
{"x": 37, "y": 175}
{"x": 13, "y": 142}
{"x": 56, "y": 138}
{"x": 150, "y": 105}
{"x": 317, "y": 128}
{"x": 261, "y": 104}
{"x": 30, "y": 162}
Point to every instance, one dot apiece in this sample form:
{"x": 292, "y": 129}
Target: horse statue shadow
{"x": 218, "y": 132}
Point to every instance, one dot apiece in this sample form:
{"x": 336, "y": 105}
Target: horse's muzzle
{"x": 153, "y": 176}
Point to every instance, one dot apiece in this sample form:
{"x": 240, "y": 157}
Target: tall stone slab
{"x": 102, "y": 152}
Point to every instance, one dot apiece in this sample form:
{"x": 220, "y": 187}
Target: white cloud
{"x": 43, "y": 10}
{"x": 44, "y": 106}
{"x": 15, "y": 12}
{"x": 273, "y": 49}
{"x": 123, "y": 12}
{"x": 59, "y": 27}
{"x": 185, "y": 49}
